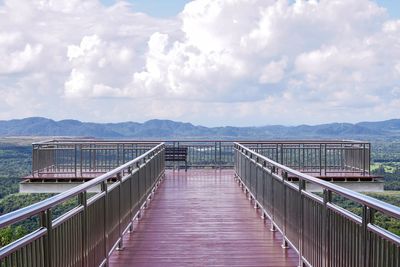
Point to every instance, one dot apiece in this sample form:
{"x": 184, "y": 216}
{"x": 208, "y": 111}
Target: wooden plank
{"x": 202, "y": 218}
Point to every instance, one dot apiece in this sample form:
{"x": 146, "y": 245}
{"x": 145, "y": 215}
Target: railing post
{"x": 46, "y": 222}
{"x": 273, "y": 228}
{"x": 302, "y": 186}
{"x": 256, "y": 182}
{"x": 94, "y": 158}
{"x": 34, "y": 164}
{"x": 105, "y": 190}
{"x": 284, "y": 242}
{"x": 82, "y": 198}
{"x": 320, "y": 159}
{"x": 118, "y": 156}
{"x": 215, "y": 154}
{"x": 123, "y": 153}
{"x": 131, "y": 198}
{"x": 139, "y": 216}
{"x": 369, "y": 158}
{"x": 363, "y": 160}
{"x": 327, "y": 228}
{"x": 75, "y": 160}
{"x": 120, "y": 243}
{"x": 220, "y": 154}
{"x": 367, "y": 218}
{"x": 177, "y": 164}
{"x": 81, "y": 160}
{"x": 326, "y": 158}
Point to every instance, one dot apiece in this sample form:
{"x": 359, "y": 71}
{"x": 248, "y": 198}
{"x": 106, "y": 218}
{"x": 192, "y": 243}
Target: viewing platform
{"x": 59, "y": 165}
{"x": 264, "y": 203}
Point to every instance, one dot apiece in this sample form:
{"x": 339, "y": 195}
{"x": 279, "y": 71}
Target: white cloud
{"x": 397, "y": 68}
{"x": 88, "y": 44}
{"x": 77, "y": 85}
{"x": 19, "y": 60}
{"x": 391, "y": 26}
{"x": 273, "y": 72}
{"x": 217, "y": 62}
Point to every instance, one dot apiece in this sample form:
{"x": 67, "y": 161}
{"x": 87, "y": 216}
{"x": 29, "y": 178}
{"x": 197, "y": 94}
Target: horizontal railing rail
{"x": 276, "y": 141}
{"x": 87, "y": 234}
{"x": 323, "y": 233}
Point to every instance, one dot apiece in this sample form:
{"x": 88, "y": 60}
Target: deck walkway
{"x": 202, "y": 218}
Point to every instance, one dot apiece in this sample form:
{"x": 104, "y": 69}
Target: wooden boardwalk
{"x": 202, "y": 218}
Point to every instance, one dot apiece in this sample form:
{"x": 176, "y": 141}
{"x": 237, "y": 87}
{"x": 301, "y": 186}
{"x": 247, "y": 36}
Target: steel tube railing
{"x": 87, "y": 234}
{"x": 321, "y": 232}
{"x": 80, "y": 158}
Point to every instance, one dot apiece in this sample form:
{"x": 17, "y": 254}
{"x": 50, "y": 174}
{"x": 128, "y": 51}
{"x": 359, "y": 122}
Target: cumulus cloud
{"x": 273, "y": 72}
{"x": 217, "y": 62}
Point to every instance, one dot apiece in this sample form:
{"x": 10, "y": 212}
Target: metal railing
{"x": 87, "y": 234}
{"x": 322, "y": 233}
{"x": 87, "y": 157}
{"x": 80, "y": 158}
{"x": 322, "y": 158}
{"x": 206, "y": 153}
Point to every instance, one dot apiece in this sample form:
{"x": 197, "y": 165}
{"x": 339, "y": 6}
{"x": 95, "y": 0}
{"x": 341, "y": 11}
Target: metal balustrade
{"x": 318, "y": 158}
{"x": 90, "y": 232}
{"x": 322, "y": 233}
{"x": 206, "y": 153}
{"x": 77, "y": 158}
{"x": 80, "y": 158}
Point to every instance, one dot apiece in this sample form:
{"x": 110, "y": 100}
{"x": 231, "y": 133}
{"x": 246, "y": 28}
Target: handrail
{"x": 360, "y": 198}
{"x": 90, "y": 141}
{"x": 275, "y": 141}
{"x": 24, "y": 213}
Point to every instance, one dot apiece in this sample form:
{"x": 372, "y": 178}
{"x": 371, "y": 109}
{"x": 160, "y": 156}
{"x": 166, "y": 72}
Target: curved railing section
{"x": 322, "y": 233}
{"x": 90, "y": 232}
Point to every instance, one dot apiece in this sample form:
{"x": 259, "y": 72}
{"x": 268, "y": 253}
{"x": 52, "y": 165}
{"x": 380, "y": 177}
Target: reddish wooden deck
{"x": 202, "y": 218}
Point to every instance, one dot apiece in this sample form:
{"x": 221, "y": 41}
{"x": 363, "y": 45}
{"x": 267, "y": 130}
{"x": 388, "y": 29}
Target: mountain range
{"x": 167, "y": 129}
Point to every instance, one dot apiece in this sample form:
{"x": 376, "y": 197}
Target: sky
{"x": 209, "y": 62}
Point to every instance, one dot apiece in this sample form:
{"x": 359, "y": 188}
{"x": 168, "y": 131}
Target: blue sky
{"x": 168, "y": 8}
{"x": 393, "y": 7}
{"x": 158, "y": 8}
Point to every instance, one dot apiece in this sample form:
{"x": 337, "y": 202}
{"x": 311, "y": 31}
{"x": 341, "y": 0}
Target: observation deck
{"x": 239, "y": 204}
{"x": 59, "y": 165}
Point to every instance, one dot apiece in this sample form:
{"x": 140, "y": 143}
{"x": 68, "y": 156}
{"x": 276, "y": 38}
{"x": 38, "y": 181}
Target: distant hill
{"x": 167, "y": 129}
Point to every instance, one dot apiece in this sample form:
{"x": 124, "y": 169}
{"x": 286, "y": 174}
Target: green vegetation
{"x": 392, "y": 197}
{"x": 17, "y": 201}
{"x": 386, "y": 162}
{"x": 388, "y": 167}
{"x": 16, "y": 162}
{"x": 9, "y": 234}
{"x": 390, "y": 171}
{"x": 386, "y": 151}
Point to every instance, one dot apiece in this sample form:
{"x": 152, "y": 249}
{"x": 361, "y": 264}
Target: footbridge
{"x": 274, "y": 203}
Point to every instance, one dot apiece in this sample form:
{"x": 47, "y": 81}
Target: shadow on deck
{"x": 202, "y": 218}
